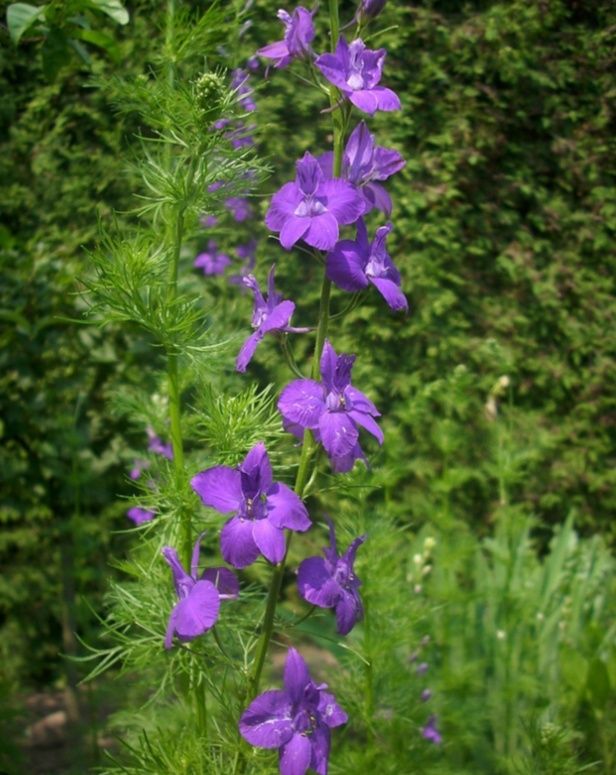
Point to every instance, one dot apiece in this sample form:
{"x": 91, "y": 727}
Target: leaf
{"x": 20, "y": 17}
{"x": 112, "y": 8}
{"x": 598, "y": 683}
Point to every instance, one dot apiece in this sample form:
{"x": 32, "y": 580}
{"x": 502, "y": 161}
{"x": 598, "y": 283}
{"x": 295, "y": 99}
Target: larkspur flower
{"x": 239, "y": 207}
{"x": 261, "y": 508}
{"x": 332, "y": 409}
{"x": 211, "y": 261}
{"x": 240, "y": 84}
{"x": 158, "y": 446}
{"x": 139, "y": 516}
{"x": 207, "y": 221}
{"x": 269, "y": 316}
{"x": 298, "y": 35}
{"x": 330, "y": 582}
{"x": 368, "y": 9}
{"x": 425, "y": 695}
{"x": 354, "y": 264}
{"x": 430, "y": 731}
{"x": 247, "y": 253}
{"x": 139, "y": 466}
{"x": 199, "y": 596}
{"x": 364, "y": 164}
{"x": 312, "y": 208}
{"x": 356, "y": 71}
{"x": 297, "y": 720}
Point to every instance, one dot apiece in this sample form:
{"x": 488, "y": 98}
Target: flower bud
{"x": 371, "y": 8}
{"x": 209, "y": 94}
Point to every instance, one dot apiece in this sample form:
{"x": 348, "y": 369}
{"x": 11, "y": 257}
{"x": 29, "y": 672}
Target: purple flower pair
{"x": 261, "y": 508}
{"x": 297, "y": 720}
{"x": 332, "y": 409}
{"x": 211, "y": 261}
{"x": 199, "y": 596}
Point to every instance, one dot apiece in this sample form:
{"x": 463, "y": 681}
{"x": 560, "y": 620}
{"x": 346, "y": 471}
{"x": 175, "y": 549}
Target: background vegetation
{"x": 503, "y": 230}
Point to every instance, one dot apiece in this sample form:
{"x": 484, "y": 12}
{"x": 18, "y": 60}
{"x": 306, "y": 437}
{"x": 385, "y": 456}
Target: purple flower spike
{"x": 353, "y": 265}
{"x": 298, "y": 35}
{"x": 158, "y": 446}
{"x": 356, "y": 71}
{"x": 211, "y": 262}
{"x": 312, "y": 208}
{"x": 199, "y": 596}
{"x": 430, "y": 731}
{"x": 332, "y": 409}
{"x": 261, "y": 508}
{"x": 139, "y": 516}
{"x": 363, "y": 163}
{"x": 297, "y": 720}
{"x": 269, "y": 315}
{"x": 332, "y": 583}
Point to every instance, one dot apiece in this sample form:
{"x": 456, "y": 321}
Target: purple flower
{"x": 239, "y": 207}
{"x": 252, "y": 63}
{"x": 269, "y": 315}
{"x": 199, "y": 596}
{"x": 425, "y": 695}
{"x": 422, "y": 668}
{"x": 356, "y": 71}
{"x": 312, "y": 208}
{"x": 239, "y": 83}
{"x": 298, "y": 35}
{"x": 296, "y": 720}
{"x": 332, "y": 583}
{"x": 211, "y": 262}
{"x": 207, "y": 221}
{"x": 430, "y": 732}
{"x": 332, "y": 409}
{"x": 261, "y": 508}
{"x": 139, "y": 516}
{"x": 138, "y": 468}
{"x": 158, "y": 446}
{"x": 353, "y": 265}
{"x": 247, "y": 253}
{"x": 363, "y": 163}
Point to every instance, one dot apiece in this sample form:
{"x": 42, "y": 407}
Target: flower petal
{"x": 365, "y": 100}
{"x": 279, "y": 317}
{"x": 258, "y": 470}
{"x": 349, "y": 611}
{"x": 269, "y": 539}
{"x": 345, "y": 266}
{"x": 267, "y": 721}
{"x": 338, "y": 433}
{"x": 224, "y": 580}
{"x": 283, "y": 205}
{"x": 293, "y": 230}
{"x": 248, "y": 350}
{"x": 387, "y": 99}
{"x": 333, "y": 69}
{"x": 343, "y": 200}
{"x": 367, "y": 421}
{"x": 237, "y": 545}
{"x": 315, "y": 583}
{"x": 286, "y": 509}
{"x": 331, "y": 713}
{"x": 360, "y": 402}
{"x": 295, "y": 755}
{"x": 322, "y": 231}
{"x": 390, "y": 292}
{"x": 320, "y": 749}
{"x": 219, "y": 488}
{"x": 296, "y": 675}
{"x": 198, "y": 612}
{"x": 302, "y": 403}
{"x": 377, "y": 197}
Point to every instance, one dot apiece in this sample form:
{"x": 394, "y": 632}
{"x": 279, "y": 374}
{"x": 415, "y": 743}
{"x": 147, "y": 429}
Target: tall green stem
{"x": 308, "y": 443}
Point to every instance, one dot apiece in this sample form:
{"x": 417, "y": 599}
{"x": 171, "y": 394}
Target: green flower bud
{"x": 209, "y": 94}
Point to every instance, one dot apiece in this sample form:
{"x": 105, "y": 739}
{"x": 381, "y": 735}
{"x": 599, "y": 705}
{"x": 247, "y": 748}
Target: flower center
{"x": 335, "y": 402}
{"x": 376, "y": 266}
{"x": 309, "y": 207}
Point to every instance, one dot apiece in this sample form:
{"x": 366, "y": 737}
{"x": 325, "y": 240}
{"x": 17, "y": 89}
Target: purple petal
{"x": 390, "y": 292}
{"x": 296, "y": 675}
{"x": 295, "y": 755}
{"x": 349, "y": 555}
{"x": 301, "y": 403}
{"x": 367, "y": 421}
{"x": 181, "y": 580}
{"x": 277, "y": 50}
{"x": 279, "y": 317}
{"x": 198, "y": 612}
{"x": 309, "y": 174}
{"x": 360, "y": 402}
{"x": 293, "y": 230}
{"x": 331, "y": 713}
{"x": 343, "y": 200}
{"x": 269, "y": 539}
{"x": 315, "y": 583}
{"x": 327, "y": 365}
{"x": 386, "y": 163}
{"x": 283, "y": 205}
{"x": 322, "y": 231}
{"x": 341, "y": 464}
{"x": 219, "y": 488}
{"x": 338, "y": 433}
{"x": 286, "y": 509}
{"x": 345, "y": 267}
{"x": 333, "y": 69}
{"x": 139, "y": 516}
{"x": 237, "y": 545}
{"x": 267, "y": 721}
{"x": 257, "y": 466}
{"x": 320, "y": 749}
{"x": 224, "y": 580}
{"x": 387, "y": 99}
{"x": 247, "y": 350}
{"x": 377, "y": 197}
{"x": 365, "y": 100}
{"x": 349, "y": 611}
